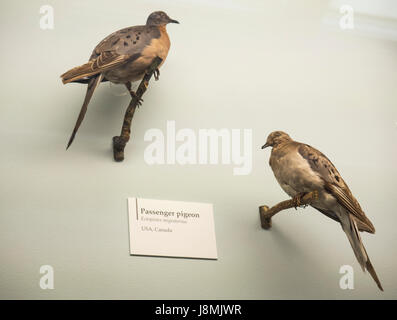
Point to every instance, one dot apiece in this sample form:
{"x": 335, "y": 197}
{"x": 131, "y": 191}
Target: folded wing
{"x": 335, "y": 185}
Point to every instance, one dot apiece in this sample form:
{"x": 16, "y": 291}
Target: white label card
{"x": 171, "y": 228}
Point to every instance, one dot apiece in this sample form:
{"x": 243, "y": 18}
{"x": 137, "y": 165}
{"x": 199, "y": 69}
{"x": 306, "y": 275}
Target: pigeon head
{"x": 159, "y": 18}
{"x": 276, "y": 138}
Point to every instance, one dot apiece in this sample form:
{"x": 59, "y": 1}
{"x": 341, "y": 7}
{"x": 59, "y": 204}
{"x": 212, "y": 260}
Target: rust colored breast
{"x": 157, "y": 47}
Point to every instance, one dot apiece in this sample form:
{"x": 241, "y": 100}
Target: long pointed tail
{"x": 373, "y": 274}
{"x": 92, "y": 84}
{"x": 349, "y": 225}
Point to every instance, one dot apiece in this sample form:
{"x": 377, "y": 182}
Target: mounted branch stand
{"x": 119, "y": 142}
{"x": 266, "y": 214}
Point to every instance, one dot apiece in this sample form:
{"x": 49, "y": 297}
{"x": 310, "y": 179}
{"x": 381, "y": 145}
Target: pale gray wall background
{"x": 263, "y": 65}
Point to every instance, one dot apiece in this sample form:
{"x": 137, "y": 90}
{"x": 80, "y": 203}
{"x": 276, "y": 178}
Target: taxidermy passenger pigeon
{"x": 122, "y": 57}
{"x": 299, "y": 169}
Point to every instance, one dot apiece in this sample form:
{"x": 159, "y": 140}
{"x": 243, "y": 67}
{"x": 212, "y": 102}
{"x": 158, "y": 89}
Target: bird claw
{"x": 135, "y": 96}
{"x": 156, "y": 74}
{"x": 297, "y": 201}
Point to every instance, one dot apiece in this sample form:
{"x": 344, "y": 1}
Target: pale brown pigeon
{"x": 300, "y": 168}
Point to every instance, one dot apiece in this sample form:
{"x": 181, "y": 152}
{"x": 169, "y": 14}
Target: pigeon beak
{"x": 173, "y": 21}
{"x": 265, "y": 145}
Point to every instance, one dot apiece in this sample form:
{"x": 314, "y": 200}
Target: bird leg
{"x": 303, "y": 200}
{"x": 133, "y": 94}
{"x": 119, "y": 142}
{"x": 156, "y": 74}
{"x": 298, "y": 200}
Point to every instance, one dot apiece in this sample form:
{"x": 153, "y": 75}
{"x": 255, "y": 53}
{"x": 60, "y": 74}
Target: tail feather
{"x": 92, "y": 84}
{"x": 86, "y": 80}
{"x": 105, "y": 61}
{"x": 349, "y": 225}
{"x": 373, "y": 274}
{"x": 80, "y": 72}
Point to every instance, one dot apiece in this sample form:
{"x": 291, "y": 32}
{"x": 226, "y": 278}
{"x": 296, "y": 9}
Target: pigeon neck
{"x": 162, "y": 28}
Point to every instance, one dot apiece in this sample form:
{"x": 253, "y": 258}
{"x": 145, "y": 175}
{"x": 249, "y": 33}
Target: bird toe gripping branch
{"x": 266, "y": 213}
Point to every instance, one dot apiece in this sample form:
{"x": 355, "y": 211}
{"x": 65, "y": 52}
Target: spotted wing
{"x": 335, "y": 185}
{"x": 122, "y": 46}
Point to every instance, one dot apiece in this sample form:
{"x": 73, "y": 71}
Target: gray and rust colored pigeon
{"x": 122, "y": 57}
{"x": 299, "y": 169}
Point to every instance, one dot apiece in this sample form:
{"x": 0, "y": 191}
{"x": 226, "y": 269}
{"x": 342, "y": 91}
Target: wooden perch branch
{"x": 119, "y": 142}
{"x": 266, "y": 214}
